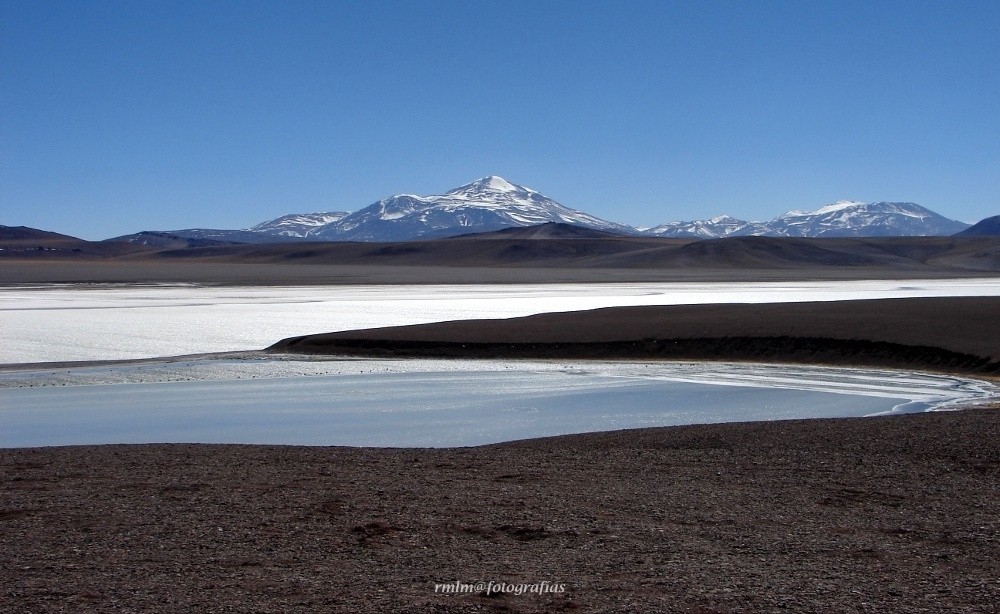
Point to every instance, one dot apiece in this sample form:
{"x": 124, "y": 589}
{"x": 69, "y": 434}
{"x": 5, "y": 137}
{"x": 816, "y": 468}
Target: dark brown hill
{"x": 929, "y": 253}
{"x": 11, "y": 234}
{"x": 32, "y": 244}
{"x": 900, "y": 253}
{"x": 550, "y": 230}
{"x": 990, "y": 227}
{"x": 544, "y": 254}
{"x": 156, "y": 240}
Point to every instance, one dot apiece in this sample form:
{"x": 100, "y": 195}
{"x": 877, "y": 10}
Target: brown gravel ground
{"x": 897, "y": 514}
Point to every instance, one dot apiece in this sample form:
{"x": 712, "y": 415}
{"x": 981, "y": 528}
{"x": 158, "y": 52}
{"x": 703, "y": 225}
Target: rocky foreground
{"x": 878, "y": 515}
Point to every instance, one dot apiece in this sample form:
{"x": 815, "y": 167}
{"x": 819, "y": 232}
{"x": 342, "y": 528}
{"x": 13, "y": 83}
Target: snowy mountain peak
{"x": 494, "y": 182}
{"x": 486, "y": 185}
{"x": 840, "y": 205}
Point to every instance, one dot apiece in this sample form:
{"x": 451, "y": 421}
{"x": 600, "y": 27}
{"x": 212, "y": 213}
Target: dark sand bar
{"x": 942, "y": 334}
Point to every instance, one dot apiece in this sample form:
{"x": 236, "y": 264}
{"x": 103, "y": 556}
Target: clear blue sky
{"x": 124, "y": 116}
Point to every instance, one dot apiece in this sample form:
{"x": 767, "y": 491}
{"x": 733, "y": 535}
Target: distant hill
{"x": 990, "y": 227}
{"x": 25, "y": 242}
{"x": 20, "y": 242}
{"x": 529, "y": 247}
{"x": 549, "y": 245}
{"x": 175, "y": 239}
{"x": 11, "y": 234}
{"x": 549, "y": 230}
{"x": 200, "y": 237}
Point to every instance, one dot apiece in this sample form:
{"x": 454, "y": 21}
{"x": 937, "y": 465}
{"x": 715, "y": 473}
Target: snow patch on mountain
{"x": 840, "y": 205}
{"x": 298, "y": 224}
{"x": 718, "y": 226}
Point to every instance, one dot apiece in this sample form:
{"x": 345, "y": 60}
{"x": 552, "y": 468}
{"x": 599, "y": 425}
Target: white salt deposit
{"x": 61, "y": 323}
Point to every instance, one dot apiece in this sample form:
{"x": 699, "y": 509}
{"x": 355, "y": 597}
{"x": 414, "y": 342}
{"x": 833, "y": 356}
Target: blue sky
{"x": 124, "y": 116}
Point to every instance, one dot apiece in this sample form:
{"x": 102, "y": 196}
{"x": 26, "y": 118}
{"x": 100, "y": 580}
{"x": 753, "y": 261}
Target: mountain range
{"x": 840, "y": 219}
{"x": 493, "y": 203}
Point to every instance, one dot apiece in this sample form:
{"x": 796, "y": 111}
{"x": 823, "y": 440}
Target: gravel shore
{"x": 889, "y": 514}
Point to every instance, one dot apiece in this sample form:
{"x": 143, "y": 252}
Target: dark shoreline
{"x": 953, "y": 335}
{"x": 768, "y": 350}
{"x": 877, "y": 514}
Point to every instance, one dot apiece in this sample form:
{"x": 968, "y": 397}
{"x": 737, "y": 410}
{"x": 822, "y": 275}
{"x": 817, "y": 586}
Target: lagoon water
{"x": 400, "y": 403}
{"x": 428, "y": 403}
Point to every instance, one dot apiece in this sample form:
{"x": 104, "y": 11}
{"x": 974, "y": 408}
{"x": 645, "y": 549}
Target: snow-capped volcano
{"x": 487, "y": 204}
{"x": 846, "y": 218}
{"x": 858, "y": 219}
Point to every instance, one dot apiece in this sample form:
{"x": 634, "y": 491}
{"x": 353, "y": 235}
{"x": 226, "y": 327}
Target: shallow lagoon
{"x": 400, "y": 403}
{"x": 429, "y": 403}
